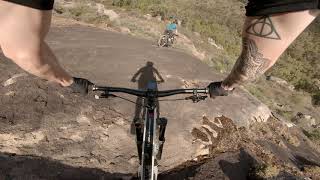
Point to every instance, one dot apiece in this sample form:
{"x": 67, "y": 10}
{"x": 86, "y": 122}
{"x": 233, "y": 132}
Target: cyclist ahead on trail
{"x": 171, "y": 28}
{"x": 168, "y": 37}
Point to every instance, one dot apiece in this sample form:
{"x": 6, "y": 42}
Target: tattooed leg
{"x": 264, "y": 40}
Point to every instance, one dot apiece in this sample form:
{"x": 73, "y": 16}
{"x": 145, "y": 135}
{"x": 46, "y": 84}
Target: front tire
{"x": 149, "y": 170}
{"x": 163, "y": 41}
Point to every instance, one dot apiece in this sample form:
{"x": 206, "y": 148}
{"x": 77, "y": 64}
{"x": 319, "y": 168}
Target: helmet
{"x": 173, "y": 19}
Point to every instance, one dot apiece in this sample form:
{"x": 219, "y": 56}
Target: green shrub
{"x": 313, "y": 135}
{"x": 82, "y": 12}
{"x": 121, "y": 3}
{"x": 264, "y": 171}
{"x": 305, "y": 84}
{"x": 316, "y": 98}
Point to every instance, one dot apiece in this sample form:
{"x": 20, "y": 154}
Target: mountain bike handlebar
{"x": 148, "y": 93}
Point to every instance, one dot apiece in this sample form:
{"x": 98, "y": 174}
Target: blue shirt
{"x": 171, "y": 27}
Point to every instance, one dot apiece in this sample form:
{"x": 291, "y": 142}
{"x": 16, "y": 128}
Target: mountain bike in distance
{"x": 166, "y": 40}
{"x": 150, "y": 133}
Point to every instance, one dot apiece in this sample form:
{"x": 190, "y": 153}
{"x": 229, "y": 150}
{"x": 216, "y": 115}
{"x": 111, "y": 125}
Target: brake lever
{"x": 104, "y": 95}
{"x": 203, "y": 97}
{"x": 196, "y": 98}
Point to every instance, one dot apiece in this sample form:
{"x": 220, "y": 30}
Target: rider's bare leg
{"x": 264, "y": 40}
{"x": 22, "y": 34}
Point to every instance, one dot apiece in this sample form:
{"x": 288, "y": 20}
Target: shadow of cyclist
{"x": 146, "y": 75}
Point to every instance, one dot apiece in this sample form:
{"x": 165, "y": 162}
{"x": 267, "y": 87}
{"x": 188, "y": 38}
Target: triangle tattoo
{"x": 263, "y": 27}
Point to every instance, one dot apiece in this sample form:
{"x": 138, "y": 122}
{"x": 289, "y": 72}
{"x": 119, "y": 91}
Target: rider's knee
{"x": 29, "y": 59}
{"x": 23, "y": 54}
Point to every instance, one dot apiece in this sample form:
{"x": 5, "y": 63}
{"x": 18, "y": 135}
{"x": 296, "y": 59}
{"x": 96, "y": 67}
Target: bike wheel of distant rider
{"x": 163, "y": 41}
{"x": 149, "y": 164}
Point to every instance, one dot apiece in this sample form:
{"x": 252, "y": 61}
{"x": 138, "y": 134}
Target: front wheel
{"x": 172, "y": 40}
{"x": 163, "y": 41}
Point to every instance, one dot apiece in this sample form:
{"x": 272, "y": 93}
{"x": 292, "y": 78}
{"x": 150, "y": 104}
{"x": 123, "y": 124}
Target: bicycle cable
{"x": 179, "y": 99}
{"x": 129, "y": 100}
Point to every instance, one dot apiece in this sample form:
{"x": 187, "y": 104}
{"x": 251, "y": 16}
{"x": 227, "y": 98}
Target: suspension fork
{"x": 139, "y": 137}
{"x": 162, "y": 122}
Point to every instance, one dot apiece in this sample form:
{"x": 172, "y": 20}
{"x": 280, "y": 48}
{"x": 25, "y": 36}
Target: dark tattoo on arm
{"x": 249, "y": 66}
{"x": 263, "y": 27}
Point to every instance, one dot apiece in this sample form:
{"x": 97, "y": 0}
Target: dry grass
{"x": 265, "y": 171}
{"x": 82, "y": 11}
{"x": 312, "y": 170}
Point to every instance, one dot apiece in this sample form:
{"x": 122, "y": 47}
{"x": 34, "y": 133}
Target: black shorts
{"x": 36, "y": 4}
{"x": 268, "y": 7}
